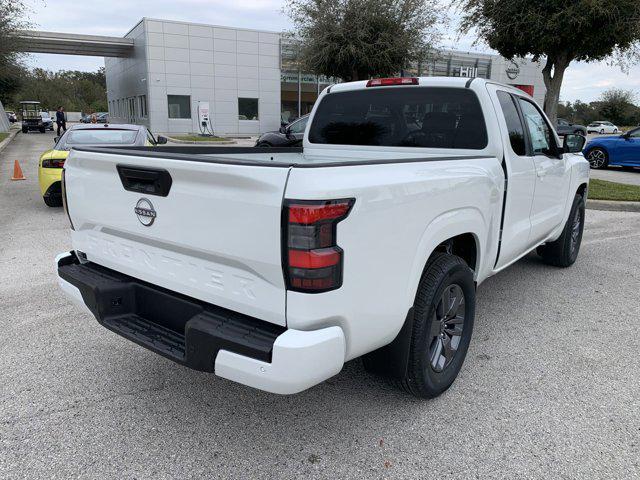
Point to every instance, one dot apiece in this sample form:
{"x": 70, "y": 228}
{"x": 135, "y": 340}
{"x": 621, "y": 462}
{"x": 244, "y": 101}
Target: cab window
{"x": 299, "y": 125}
{"x": 542, "y": 141}
{"x": 426, "y": 117}
{"x": 514, "y": 124}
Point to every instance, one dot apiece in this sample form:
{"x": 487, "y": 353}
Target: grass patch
{"x": 603, "y": 190}
{"x": 198, "y": 138}
{"x": 3, "y": 136}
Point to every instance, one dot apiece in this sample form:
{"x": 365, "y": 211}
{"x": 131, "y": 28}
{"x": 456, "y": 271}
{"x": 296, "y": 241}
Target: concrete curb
{"x": 610, "y": 205}
{"x": 191, "y": 142}
{"x": 7, "y": 140}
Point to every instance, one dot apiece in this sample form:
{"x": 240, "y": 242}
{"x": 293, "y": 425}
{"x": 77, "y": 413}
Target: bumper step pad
{"x": 181, "y": 328}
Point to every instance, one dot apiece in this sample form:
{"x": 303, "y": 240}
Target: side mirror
{"x": 283, "y": 129}
{"x": 160, "y": 140}
{"x": 573, "y": 143}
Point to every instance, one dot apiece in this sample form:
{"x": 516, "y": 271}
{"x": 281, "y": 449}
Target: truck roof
{"x": 427, "y": 81}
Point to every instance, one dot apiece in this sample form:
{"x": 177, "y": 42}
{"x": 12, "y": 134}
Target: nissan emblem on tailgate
{"x": 145, "y": 212}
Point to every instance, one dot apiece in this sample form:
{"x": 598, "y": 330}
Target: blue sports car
{"x": 614, "y": 150}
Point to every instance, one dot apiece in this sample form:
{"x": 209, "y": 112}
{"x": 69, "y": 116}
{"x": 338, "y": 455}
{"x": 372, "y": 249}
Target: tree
{"x": 75, "y": 90}
{"x": 360, "y": 39}
{"x": 11, "y": 68}
{"x": 618, "y": 106}
{"x": 555, "y": 31}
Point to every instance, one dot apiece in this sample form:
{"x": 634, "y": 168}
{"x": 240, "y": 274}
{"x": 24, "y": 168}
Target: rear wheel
{"x": 602, "y": 131}
{"x": 53, "y": 201}
{"x": 444, "y": 311}
{"x": 264, "y": 144}
{"x": 564, "y": 251}
{"x": 598, "y": 158}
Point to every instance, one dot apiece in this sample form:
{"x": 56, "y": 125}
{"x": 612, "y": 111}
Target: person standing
{"x": 61, "y": 120}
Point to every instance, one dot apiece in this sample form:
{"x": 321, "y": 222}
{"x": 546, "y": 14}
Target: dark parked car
{"x": 101, "y": 117}
{"x": 288, "y": 136}
{"x": 564, "y": 127}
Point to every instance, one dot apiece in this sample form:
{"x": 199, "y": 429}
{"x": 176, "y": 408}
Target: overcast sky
{"x": 115, "y": 17}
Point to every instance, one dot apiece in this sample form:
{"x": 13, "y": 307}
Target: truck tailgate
{"x": 215, "y": 236}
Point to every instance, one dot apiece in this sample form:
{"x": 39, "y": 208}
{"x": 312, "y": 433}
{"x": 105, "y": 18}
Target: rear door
{"x": 628, "y": 148}
{"x": 520, "y": 171}
{"x": 213, "y": 234}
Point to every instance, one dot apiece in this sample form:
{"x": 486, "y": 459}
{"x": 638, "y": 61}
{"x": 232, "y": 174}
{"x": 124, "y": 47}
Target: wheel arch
{"x": 459, "y": 232}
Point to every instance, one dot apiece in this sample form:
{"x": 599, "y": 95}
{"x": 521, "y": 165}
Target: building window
{"x": 179, "y": 106}
{"x": 143, "y": 105}
{"x": 248, "y": 109}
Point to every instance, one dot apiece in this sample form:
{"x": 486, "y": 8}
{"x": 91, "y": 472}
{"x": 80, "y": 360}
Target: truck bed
{"x": 267, "y": 157}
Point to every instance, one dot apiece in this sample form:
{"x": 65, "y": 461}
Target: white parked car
{"x": 602, "y": 127}
{"x": 273, "y": 267}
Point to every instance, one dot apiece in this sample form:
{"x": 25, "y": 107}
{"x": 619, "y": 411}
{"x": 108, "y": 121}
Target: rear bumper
{"x": 203, "y": 336}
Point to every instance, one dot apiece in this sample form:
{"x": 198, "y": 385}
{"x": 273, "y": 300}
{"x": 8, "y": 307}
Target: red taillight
{"x": 387, "y": 82}
{"x": 312, "y": 258}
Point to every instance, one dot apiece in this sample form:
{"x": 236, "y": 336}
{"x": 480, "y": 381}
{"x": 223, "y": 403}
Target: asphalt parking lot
{"x": 550, "y": 388}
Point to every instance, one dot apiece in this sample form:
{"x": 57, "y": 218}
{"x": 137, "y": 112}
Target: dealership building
{"x": 239, "y": 81}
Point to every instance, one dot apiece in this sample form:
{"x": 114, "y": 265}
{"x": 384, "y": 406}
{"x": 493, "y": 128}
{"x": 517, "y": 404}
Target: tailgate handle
{"x": 150, "y": 181}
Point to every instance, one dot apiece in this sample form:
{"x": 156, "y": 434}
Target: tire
{"x": 429, "y": 373}
{"x": 42, "y": 130}
{"x": 25, "y": 130}
{"x": 615, "y": 130}
{"x": 564, "y": 251}
{"x": 602, "y": 131}
{"x": 264, "y": 145}
{"x": 598, "y": 158}
{"x": 53, "y": 201}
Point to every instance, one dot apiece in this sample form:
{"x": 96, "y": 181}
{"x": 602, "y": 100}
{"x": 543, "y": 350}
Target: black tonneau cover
{"x": 227, "y": 155}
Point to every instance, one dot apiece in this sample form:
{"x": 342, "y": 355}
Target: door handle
{"x": 150, "y": 181}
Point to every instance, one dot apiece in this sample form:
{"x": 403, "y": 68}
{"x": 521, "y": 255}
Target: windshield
{"x": 100, "y": 136}
{"x": 431, "y": 117}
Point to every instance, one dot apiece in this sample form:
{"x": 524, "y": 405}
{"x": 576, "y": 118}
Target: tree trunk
{"x": 553, "y": 74}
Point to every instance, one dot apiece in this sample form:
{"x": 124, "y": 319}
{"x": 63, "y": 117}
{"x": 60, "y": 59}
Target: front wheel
{"x": 564, "y": 251}
{"x": 598, "y": 158}
{"x": 444, "y": 311}
{"x": 615, "y": 130}
{"x": 602, "y": 131}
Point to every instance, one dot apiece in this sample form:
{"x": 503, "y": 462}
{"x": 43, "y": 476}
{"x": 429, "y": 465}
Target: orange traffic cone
{"x": 17, "y": 172}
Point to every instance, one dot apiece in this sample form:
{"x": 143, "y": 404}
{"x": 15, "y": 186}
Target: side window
{"x": 542, "y": 141}
{"x": 514, "y": 124}
{"x": 299, "y": 126}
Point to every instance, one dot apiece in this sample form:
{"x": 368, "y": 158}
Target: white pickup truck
{"x": 273, "y": 267}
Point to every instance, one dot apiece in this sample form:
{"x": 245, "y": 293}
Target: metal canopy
{"x": 74, "y": 44}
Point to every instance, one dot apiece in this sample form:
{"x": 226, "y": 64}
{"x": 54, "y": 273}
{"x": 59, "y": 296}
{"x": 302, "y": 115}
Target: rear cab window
{"x": 425, "y": 117}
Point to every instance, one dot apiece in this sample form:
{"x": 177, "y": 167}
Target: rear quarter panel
{"x": 401, "y": 213}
